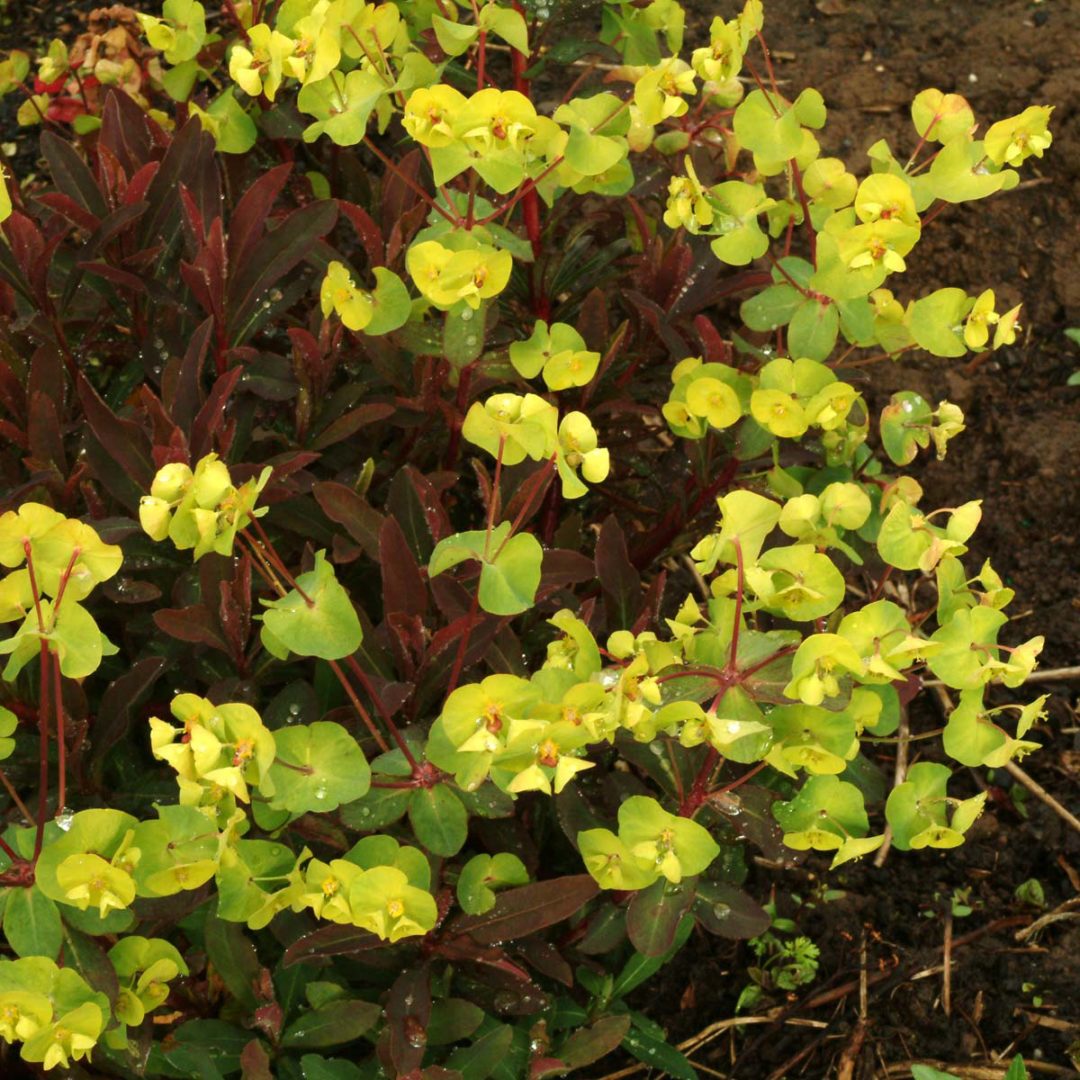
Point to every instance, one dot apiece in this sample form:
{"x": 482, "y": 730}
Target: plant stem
{"x": 279, "y": 563}
{"x": 269, "y": 577}
{"x": 43, "y": 747}
{"x": 384, "y": 712}
{"x": 61, "y": 744}
{"x": 410, "y": 183}
{"x": 463, "y": 644}
{"x": 10, "y": 788}
{"x": 740, "y": 588}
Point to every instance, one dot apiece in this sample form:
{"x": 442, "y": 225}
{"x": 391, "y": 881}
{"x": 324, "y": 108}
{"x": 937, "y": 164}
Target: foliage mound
{"x": 446, "y": 533}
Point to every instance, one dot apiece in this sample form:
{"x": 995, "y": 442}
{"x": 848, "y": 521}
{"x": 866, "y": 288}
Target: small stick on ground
{"x": 1042, "y": 794}
{"x": 1064, "y": 911}
{"x": 946, "y": 975}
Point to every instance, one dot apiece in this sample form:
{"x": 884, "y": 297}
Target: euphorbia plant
{"x": 427, "y": 763}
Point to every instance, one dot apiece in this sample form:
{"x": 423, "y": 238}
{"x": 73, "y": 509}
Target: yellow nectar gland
{"x": 245, "y": 748}
{"x": 330, "y": 886}
{"x": 548, "y": 753}
{"x": 395, "y": 908}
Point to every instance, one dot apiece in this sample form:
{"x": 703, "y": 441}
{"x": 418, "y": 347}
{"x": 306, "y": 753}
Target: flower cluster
{"x": 200, "y": 510}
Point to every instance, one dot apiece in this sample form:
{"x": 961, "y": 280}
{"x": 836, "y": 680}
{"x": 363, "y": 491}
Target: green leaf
{"x": 439, "y": 819}
{"x": 452, "y": 1020}
{"x": 770, "y": 128}
{"x": 319, "y": 1068}
{"x": 639, "y": 968}
{"x": 377, "y": 809}
{"x": 655, "y": 915}
{"x": 928, "y": 1072}
{"x": 959, "y": 173}
{"x": 936, "y": 322}
{"x": 658, "y": 1054}
{"x": 324, "y": 625}
{"x": 510, "y": 570}
{"x": 391, "y": 302}
{"x": 905, "y": 426}
{"x": 479, "y": 876}
{"x": 32, "y": 923}
{"x": 1017, "y": 1070}
{"x": 332, "y": 1024}
{"x": 234, "y": 130}
{"x": 479, "y": 1060}
{"x": 772, "y": 307}
{"x": 341, "y": 105}
{"x": 454, "y": 38}
{"x": 463, "y": 334}
{"x": 507, "y": 24}
{"x": 813, "y": 329}
{"x": 318, "y": 767}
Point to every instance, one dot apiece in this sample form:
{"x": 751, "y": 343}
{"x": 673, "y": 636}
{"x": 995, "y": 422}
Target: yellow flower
{"x": 259, "y": 69}
{"x": 1014, "y": 140}
{"x": 981, "y": 317}
{"x": 1007, "y": 327}
{"x": 338, "y": 293}
{"x": 688, "y": 203}
{"x": 446, "y": 277}
{"x": 493, "y": 119}
{"x": 429, "y": 115}
{"x": 88, "y": 880}
{"x": 658, "y": 93}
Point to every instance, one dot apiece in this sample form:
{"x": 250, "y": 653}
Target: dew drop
{"x": 65, "y": 818}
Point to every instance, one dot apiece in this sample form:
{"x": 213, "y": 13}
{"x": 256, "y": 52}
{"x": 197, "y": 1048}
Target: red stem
{"x": 463, "y": 645}
{"x": 61, "y": 745}
{"x": 43, "y": 748}
{"x": 530, "y": 199}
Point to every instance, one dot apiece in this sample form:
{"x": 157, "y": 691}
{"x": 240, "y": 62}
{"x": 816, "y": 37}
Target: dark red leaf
{"x": 714, "y": 349}
{"x": 72, "y": 175}
{"x": 620, "y": 582}
{"x": 249, "y": 218}
{"x": 123, "y": 440}
{"x": 212, "y": 415}
{"x": 194, "y": 624}
{"x": 349, "y": 424}
{"x": 729, "y": 912}
{"x": 527, "y": 909}
{"x": 345, "y": 507}
{"x": 366, "y": 230}
{"x": 404, "y": 588}
{"x": 408, "y": 1010}
{"x": 273, "y": 256}
{"x": 68, "y": 208}
{"x": 561, "y": 566}
{"x": 181, "y": 381}
{"x": 255, "y": 1062}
